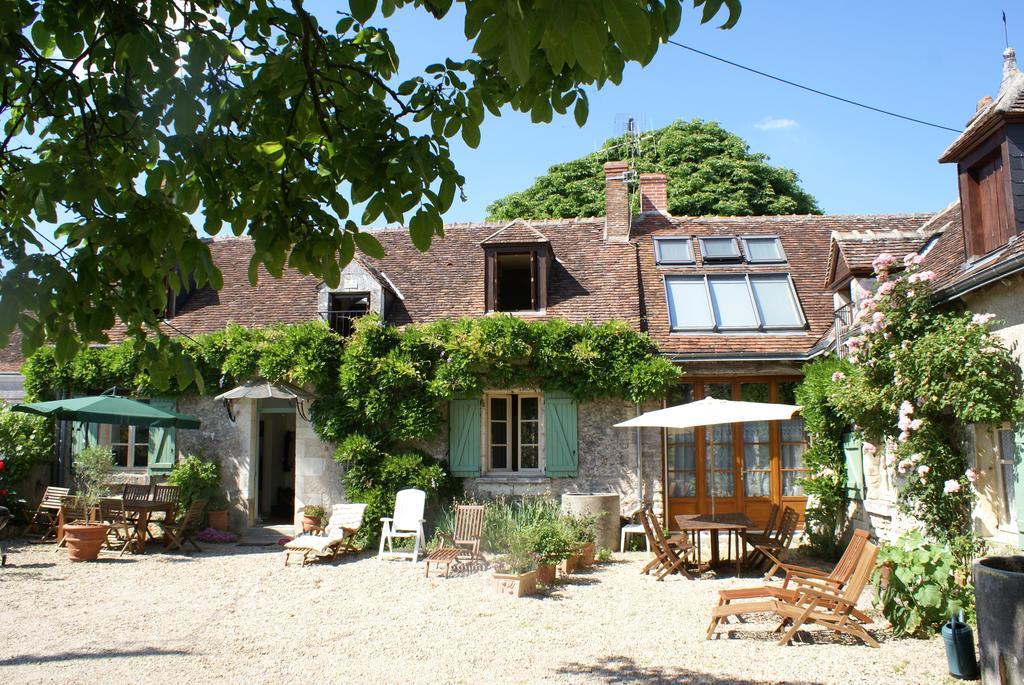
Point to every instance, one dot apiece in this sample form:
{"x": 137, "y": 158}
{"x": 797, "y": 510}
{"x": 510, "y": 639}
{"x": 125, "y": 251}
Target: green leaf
{"x": 470, "y": 133}
{"x": 630, "y": 27}
{"x": 41, "y": 37}
{"x": 420, "y": 232}
{"x": 373, "y": 208}
{"x": 581, "y": 110}
{"x": 362, "y": 10}
{"x": 588, "y": 43}
{"x": 518, "y": 49}
{"x": 369, "y": 245}
{"x": 269, "y": 148}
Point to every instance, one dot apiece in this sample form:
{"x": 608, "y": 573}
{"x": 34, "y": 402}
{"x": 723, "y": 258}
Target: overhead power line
{"x": 814, "y": 90}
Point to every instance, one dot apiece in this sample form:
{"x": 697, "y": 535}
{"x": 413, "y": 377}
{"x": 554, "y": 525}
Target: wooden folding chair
{"x": 770, "y": 528}
{"x": 814, "y": 603}
{"x": 462, "y": 547}
{"x": 775, "y": 546}
{"x": 120, "y": 531}
{"x": 47, "y": 511}
{"x": 670, "y": 555}
{"x": 72, "y": 510}
{"x": 130, "y": 492}
{"x": 796, "y": 575}
{"x": 169, "y": 495}
{"x": 176, "y": 534}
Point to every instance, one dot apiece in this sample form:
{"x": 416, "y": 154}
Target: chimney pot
{"x": 983, "y": 103}
{"x": 654, "y": 193}
{"x": 616, "y": 201}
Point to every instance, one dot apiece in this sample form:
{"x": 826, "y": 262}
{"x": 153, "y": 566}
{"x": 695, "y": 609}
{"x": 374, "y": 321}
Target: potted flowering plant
{"x": 217, "y": 511}
{"x": 584, "y": 533}
{"x": 312, "y": 517}
{"x": 92, "y": 468}
{"x": 551, "y": 542}
{"x": 515, "y": 573}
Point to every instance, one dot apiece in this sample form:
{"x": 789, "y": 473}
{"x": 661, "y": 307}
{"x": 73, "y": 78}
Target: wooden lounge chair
{"x": 670, "y": 555}
{"x": 814, "y": 603}
{"x": 462, "y": 547}
{"x": 407, "y": 522}
{"x": 776, "y": 545}
{"x": 47, "y": 511}
{"x": 795, "y": 575}
{"x": 177, "y": 533}
{"x": 335, "y": 538}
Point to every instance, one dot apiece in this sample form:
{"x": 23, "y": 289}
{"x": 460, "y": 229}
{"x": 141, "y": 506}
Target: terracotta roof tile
{"x": 1009, "y": 102}
{"x": 517, "y": 231}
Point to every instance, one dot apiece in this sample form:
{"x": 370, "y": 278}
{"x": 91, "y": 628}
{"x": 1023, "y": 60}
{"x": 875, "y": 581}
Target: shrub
{"x": 314, "y": 511}
{"x": 520, "y": 557}
{"x": 551, "y": 541}
{"x": 92, "y": 468}
{"x": 25, "y": 441}
{"x": 505, "y": 517}
{"x": 582, "y": 529}
{"x": 920, "y": 586}
{"x": 197, "y": 478}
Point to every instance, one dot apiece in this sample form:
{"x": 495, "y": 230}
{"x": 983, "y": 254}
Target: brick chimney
{"x": 654, "y": 193}
{"x": 616, "y": 201}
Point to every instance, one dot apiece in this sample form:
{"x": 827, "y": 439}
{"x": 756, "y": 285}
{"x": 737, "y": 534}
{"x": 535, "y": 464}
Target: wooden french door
{"x": 742, "y": 467}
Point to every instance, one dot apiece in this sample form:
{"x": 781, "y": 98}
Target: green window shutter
{"x": 1018, "y": 449}
{"x": 852, "y": 447}
{"x": 162, "y": 441}
{"x": 464, "y": 437}
{"x": 79, "y": 430}
{"x": 560, "y": 444}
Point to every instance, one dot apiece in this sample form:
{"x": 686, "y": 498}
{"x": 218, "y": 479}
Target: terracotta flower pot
{"x": 568, "y": 566}
{"x": 516, "y": 585}
{"x": 588, "y": 554}
{"x": 546, "y": 574}
{"x": 84, "y": 541}
{"x": 309, "y": 523}
{"x": 218, "y": 519}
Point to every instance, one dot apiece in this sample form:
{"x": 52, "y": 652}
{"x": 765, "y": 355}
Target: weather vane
{"x": 1006, "y": 33}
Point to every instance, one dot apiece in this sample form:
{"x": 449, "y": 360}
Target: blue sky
{"x": 929, "y": 60}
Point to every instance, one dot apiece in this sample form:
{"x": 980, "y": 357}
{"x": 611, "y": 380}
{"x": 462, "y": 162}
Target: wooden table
{"x": 143, "y": 510}
{"x": 715, "y": 525}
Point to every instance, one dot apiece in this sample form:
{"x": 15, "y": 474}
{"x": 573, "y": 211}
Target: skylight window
{"x": 719, "y": 249}
{"x": 673, "y": 250}
{"x": 751, "y": 302}
{"x": 763, "y": 250}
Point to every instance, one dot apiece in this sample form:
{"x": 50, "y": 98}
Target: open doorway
{"x": 276, "y": 477}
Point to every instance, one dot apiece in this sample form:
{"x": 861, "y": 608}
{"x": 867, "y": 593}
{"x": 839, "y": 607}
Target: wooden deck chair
{"x": 131, "y": 491}
{"x": 670, "y": 555}
{"x": 120, "y": 531}
{"x": 169, "y": 495}
{"x": 47, "y": 511}
{"x": 407, "y": 522}
{"x": 826, "y": 608}
{"x": 776, "y": 545}
{"x": 795, "y": 575}
{"x": 770, "y": 528}
{"x": 464, "y": 541}
{"x": 177, "y": 533}
{"x": 335, "y": 538}
{"x": 72, "y": 510}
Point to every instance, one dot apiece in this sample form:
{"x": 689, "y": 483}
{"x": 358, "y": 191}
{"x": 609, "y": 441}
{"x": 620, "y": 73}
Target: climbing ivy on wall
{"x": 384, "y": 388}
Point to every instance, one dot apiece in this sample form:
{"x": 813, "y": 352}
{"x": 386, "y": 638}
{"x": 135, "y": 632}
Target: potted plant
{"x": 551, "y": 543}
{"x": 312, "y": 517}
{"x": 584, "y": 532}
{"x": 92, "y": 468}
{"x": 217, "y": 511}
{"x": 515, "y": 573}
{"x": 199, "y": 478}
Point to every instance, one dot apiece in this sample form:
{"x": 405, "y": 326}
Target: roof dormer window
{"x": 517, "y": 278}
{"x": 763, "y": 250}
{"x": 671, "y": 251}
{"x": 720, "y": 250}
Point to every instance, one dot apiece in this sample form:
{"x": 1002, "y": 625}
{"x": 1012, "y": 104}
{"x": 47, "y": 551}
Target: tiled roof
{"x": 805, "y": 240}
{"x": 10, "y": 356}
{"x": 1008, "y": 102}
{"x": 517, "y": 231}
{"x": 858, "y": 247}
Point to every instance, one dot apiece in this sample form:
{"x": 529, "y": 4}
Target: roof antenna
{"x": 1006, "y": 33}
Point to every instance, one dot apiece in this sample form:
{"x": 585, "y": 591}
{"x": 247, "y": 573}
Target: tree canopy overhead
{"x": 711, "y": 172}
{"x": 124, "y": 120}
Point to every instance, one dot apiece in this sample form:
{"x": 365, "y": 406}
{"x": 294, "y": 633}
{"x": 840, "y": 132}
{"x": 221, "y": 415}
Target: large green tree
{"x": 710, "y": 172}
{"x": 125, "y": 120}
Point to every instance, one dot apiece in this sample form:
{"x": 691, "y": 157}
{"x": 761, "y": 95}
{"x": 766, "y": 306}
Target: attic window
{"x": 763, "y": 250}
{"x": 673, "y": 251}
{"x": 517, "y": 279}
{"x": 751, "y": 302}
{"x": 988, "y": 218}
{"x": 719, "y": 249}
{"x": 343, "y": 309}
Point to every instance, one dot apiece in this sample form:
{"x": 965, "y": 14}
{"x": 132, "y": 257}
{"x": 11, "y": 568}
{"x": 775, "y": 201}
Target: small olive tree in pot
{"x": 84, "y": 535}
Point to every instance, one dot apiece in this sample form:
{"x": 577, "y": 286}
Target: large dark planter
{"x": 999, "y": 594}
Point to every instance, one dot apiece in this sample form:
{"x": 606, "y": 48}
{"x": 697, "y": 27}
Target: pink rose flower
{"x": 972, "y": 475}
{"x": 838, "y": 376}
{"x": 951, "y": 486}
{"x": 982, "y": 319}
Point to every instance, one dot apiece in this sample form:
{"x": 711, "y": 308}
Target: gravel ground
{"x": 235, "y": 614}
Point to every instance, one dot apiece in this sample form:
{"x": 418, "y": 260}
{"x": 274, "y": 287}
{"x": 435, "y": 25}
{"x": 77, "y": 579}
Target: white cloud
{"x": 775, "y": 124}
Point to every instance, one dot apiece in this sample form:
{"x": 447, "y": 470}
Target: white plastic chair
{"x": 407, "y": 522}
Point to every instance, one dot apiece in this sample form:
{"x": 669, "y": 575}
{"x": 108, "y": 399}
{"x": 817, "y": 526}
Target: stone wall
{"x": 317, "y": 475}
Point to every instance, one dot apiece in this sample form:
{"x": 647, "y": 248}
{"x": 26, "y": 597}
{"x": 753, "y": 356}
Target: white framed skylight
{"x": 763, "y": 249}
{"x": 673, "y": 250}
{"x": 719, "y": 249}
{"x": 726, "y": 302}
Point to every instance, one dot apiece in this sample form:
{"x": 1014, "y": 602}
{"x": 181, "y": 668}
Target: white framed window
{"x": 763, "y": 249}
{"x": 1006, "y": 458}
{"x": 514, "y": 433}
{"x": 130, "y": 445}
{"x": 720, "y": 249}
{"x": 747, "y": 302}
{"x": 673, "y": 251}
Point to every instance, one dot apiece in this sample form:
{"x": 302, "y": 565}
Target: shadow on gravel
{"x": 622, "y": 669}
{"x": 98, "y": 654}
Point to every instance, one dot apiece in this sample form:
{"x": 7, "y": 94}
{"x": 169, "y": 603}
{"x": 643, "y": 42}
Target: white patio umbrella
{"x": 711, "y": 412}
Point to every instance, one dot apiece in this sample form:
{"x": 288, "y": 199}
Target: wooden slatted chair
{"x": 177, "y": 533}
{"x": 775, "y": 546}
{"x": 813, "y": 604}
{"x": 337, "y": 537}
{"x": 462, "y": 547}
{"x": 72, "y": 510}
{"x": 795, "y": 575}
{"x": 121, "y": 531}
{"x": 47, "y": 511}
{"x": 670, "y": 555}
{"x": 770, "y": 528}
{"x": 131, "y": 491}
{"x": 169, "y": 495}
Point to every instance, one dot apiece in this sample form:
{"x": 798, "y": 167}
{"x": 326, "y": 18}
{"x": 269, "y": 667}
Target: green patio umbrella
{"x": 109, "y": 409}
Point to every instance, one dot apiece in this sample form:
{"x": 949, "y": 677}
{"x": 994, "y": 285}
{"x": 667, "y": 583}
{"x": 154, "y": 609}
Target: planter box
{"x": 516, "y": 585}
{"x": 588, "y": 555}
{"x": 546, "y": 574}
{"x": 568, "y": 566}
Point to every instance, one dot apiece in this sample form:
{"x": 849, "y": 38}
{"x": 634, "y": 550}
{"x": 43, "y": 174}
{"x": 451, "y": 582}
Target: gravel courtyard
{"x": 235, "y": 614}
